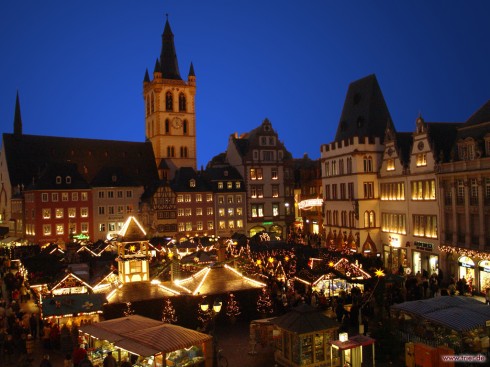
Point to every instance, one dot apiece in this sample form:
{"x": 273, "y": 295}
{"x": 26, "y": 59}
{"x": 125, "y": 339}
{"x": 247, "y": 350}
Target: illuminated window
{"x": 74, "y": 196}
{"x": 231, "y": 224}
{"x": 209, "y": 211}
{"x": 84, "y": 212}
{"x": 229, "y": 185}
{"x": 188, "y": 226}
{"x": 390, "y": 164}
{"x": 238, "y": 199}
{"x": 368, "y": 190}
{"x": 421, "y": 159}
{"x": 253, "y": 191}
{"x": 238, "y": 185}
{"x": 188, "y": 212}
{"x": 180, "y": 212}
{"x": 253, "y": 174}
{"x": 239, "y": 223}
{"x": 60, "y": 229}
{"x": 54, "y": 196}
{"x": 72, "y": 212}
{"x": 221, "y": 199}
{"x": 198, "y": 198}
{"x": 221, "y": 212}
{"x": 275, "y": 209}
{"x": 229, "y": 199}
{"x": 274, "y": 174}
{"x": 275, "y": 191}
{"x": 84, "y": 196}
{"x": 180, "y": 198}
{"x": 257, "y": 210}
{"x": 181, "y": 227}
{"x": 47, "y": 229}
{"x": 260, "y": 191}
{"x": 129, "y": 208}
{"x": 369, "y": 219}
{"x": 231, "y": 212}
{"x": 222, "y": 224}
{"x": 424, "y": 190}
{"x": 209, "y": 197}
{"x": 210, "y": 225}
{"x": 425, "y": 226}
{"x": 199, "y": 226}
{"x": 198, "y": 211}
{"x": 393, "y": 191}
{"x": 101, "y": 227}
{"x": 239, "y": 211}
{"x": 187, "y": 198}
{"x": 46, "y": 213}
{"x": 64, "y": 196}
{"x": 394, "y": 223}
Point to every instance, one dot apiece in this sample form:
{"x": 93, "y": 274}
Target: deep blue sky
{"x": 79, "y": 65}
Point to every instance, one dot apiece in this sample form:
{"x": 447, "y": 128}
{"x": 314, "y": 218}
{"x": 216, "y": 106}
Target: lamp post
{"x": 211, "y": 313}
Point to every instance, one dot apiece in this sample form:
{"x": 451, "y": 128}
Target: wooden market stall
{"x": 304, "y": 336}
{"x": 350, "y": 350}
{"x": 458, "y": 322}
{"x": 146, "y": 342}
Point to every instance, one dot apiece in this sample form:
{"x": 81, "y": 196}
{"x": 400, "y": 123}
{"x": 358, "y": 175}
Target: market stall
{"x": 303, "y": 338}
{"x": 459, "y": 322}
{"x": 146, "y": 342}
{"x": 73, "y": 309}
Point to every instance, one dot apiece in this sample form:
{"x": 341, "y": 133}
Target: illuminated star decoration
{"x": 88, "y": 305}
{"x": 331, "y": 264}
{"x": 379, "y": 273}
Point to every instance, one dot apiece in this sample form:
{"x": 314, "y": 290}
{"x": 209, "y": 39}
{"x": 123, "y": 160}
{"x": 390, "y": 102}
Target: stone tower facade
{"x": 170, "y": 115}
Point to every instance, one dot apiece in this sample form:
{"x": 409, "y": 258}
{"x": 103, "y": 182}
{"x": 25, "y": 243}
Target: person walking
{"x": 45, "y": 362}
{"x": 109, "y": 360}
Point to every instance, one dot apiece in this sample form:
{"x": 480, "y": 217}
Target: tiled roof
{"x": 404, "y": 143}
{"x": 28, "y": 156}
{"x": 365, "y": 112}
{"x": 442, "y": 136}
{"x": 305, "y": 319}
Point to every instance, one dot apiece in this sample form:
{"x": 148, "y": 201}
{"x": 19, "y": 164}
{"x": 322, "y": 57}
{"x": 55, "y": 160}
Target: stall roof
{"x": 455, "y": 312}
{"x": 304, "y": 319}
{"x": 144, "y": 336}
{"x": 73, "y": 304}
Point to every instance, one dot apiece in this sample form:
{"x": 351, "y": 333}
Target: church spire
{"x": 17, "y": 118}
{"x": 168, "y": 56}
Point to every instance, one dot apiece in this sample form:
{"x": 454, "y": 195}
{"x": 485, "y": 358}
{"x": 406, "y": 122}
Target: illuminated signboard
{"x": 305, "y": 204}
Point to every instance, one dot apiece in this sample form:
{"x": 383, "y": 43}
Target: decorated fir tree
{"x": 264, "y": 303}
{"x": 128, "y": 311}
{"x": 232, "y": 307}
{"x": 168, "y": 312}
{"x": 204, "y": 315}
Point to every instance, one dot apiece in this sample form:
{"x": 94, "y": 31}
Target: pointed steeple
{"x": 191, "y": 78}
{"x": 147, "y": 77}
{"x": 168, "y": 56}
{"x": 17, "y": 118}
{"x": 191, "y": 70}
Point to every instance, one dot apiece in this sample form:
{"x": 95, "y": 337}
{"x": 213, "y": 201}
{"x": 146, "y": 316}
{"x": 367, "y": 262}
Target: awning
{"x": 9, "y": 240}
{"x": 144, "y": 336}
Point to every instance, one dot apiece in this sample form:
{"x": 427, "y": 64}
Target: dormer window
{"x": 220, "y": 185}
{"x": 68, "y": 180}
{"x": 421, "y": 160}
{"x": 466, "y": 150}
{"x": 192, "y": 183}
{"x": 390, "y": 164}
{"x": 58, "y": 180}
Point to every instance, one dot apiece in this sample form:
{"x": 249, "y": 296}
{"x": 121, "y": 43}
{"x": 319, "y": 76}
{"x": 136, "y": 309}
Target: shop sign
{"x": 486, "y": 269}
{"x": 466, "y": 265}
{"x": 306, "y": 204}
{"x": 424, "y": 245}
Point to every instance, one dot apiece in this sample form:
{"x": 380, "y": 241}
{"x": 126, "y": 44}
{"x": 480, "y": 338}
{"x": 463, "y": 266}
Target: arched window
{"x": 170, "y": 152}
{"x": 183, "y": 152}
{"x": 349, "y": 165}
{"x": 182, "y": 102}
{"x": 369, "y": 219}
{"x": 185, "y": 127}
{"x": 368, "y": 164}
{"x": 152, "y": 109}
{"x": 169, "y": 102}
{"x": 167, "y": 126}
{"x": 147, "y": 106}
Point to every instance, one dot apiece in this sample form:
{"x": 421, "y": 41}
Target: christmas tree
{"x": 264, "y": 303}
{"x": 232, "y": 307}
{"x": 128, "y": 311}
{"x": 204, "y": 314}
{"x": 168, "y": 313}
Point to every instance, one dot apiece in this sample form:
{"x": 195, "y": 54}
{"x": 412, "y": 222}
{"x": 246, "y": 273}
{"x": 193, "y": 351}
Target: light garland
{"x": 465, "y": 252}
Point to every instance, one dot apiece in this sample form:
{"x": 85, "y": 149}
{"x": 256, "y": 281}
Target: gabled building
{"x": 194, "y": 202}
{"x": 308, "y": 196}
{"x": 230, "y": 200}
{"x": 350, "y": 166}
{"x": 25, "y": 158}
{"x": 267, "y": 169}
{"x": 58, "y": 205}
{"x": 464, "y": 186}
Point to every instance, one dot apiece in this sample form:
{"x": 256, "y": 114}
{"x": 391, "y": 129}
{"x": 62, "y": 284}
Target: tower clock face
{"x": 177, "y": 123}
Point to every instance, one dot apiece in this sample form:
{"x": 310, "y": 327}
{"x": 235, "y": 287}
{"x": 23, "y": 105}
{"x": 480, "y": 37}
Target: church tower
{"x": 170, "y": 111}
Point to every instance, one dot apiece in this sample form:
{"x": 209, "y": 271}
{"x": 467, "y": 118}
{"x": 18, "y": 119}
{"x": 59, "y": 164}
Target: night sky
{"x": 79, "y": 65}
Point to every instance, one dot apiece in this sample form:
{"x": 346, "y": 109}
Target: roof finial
{"x": 166, "y": 14}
